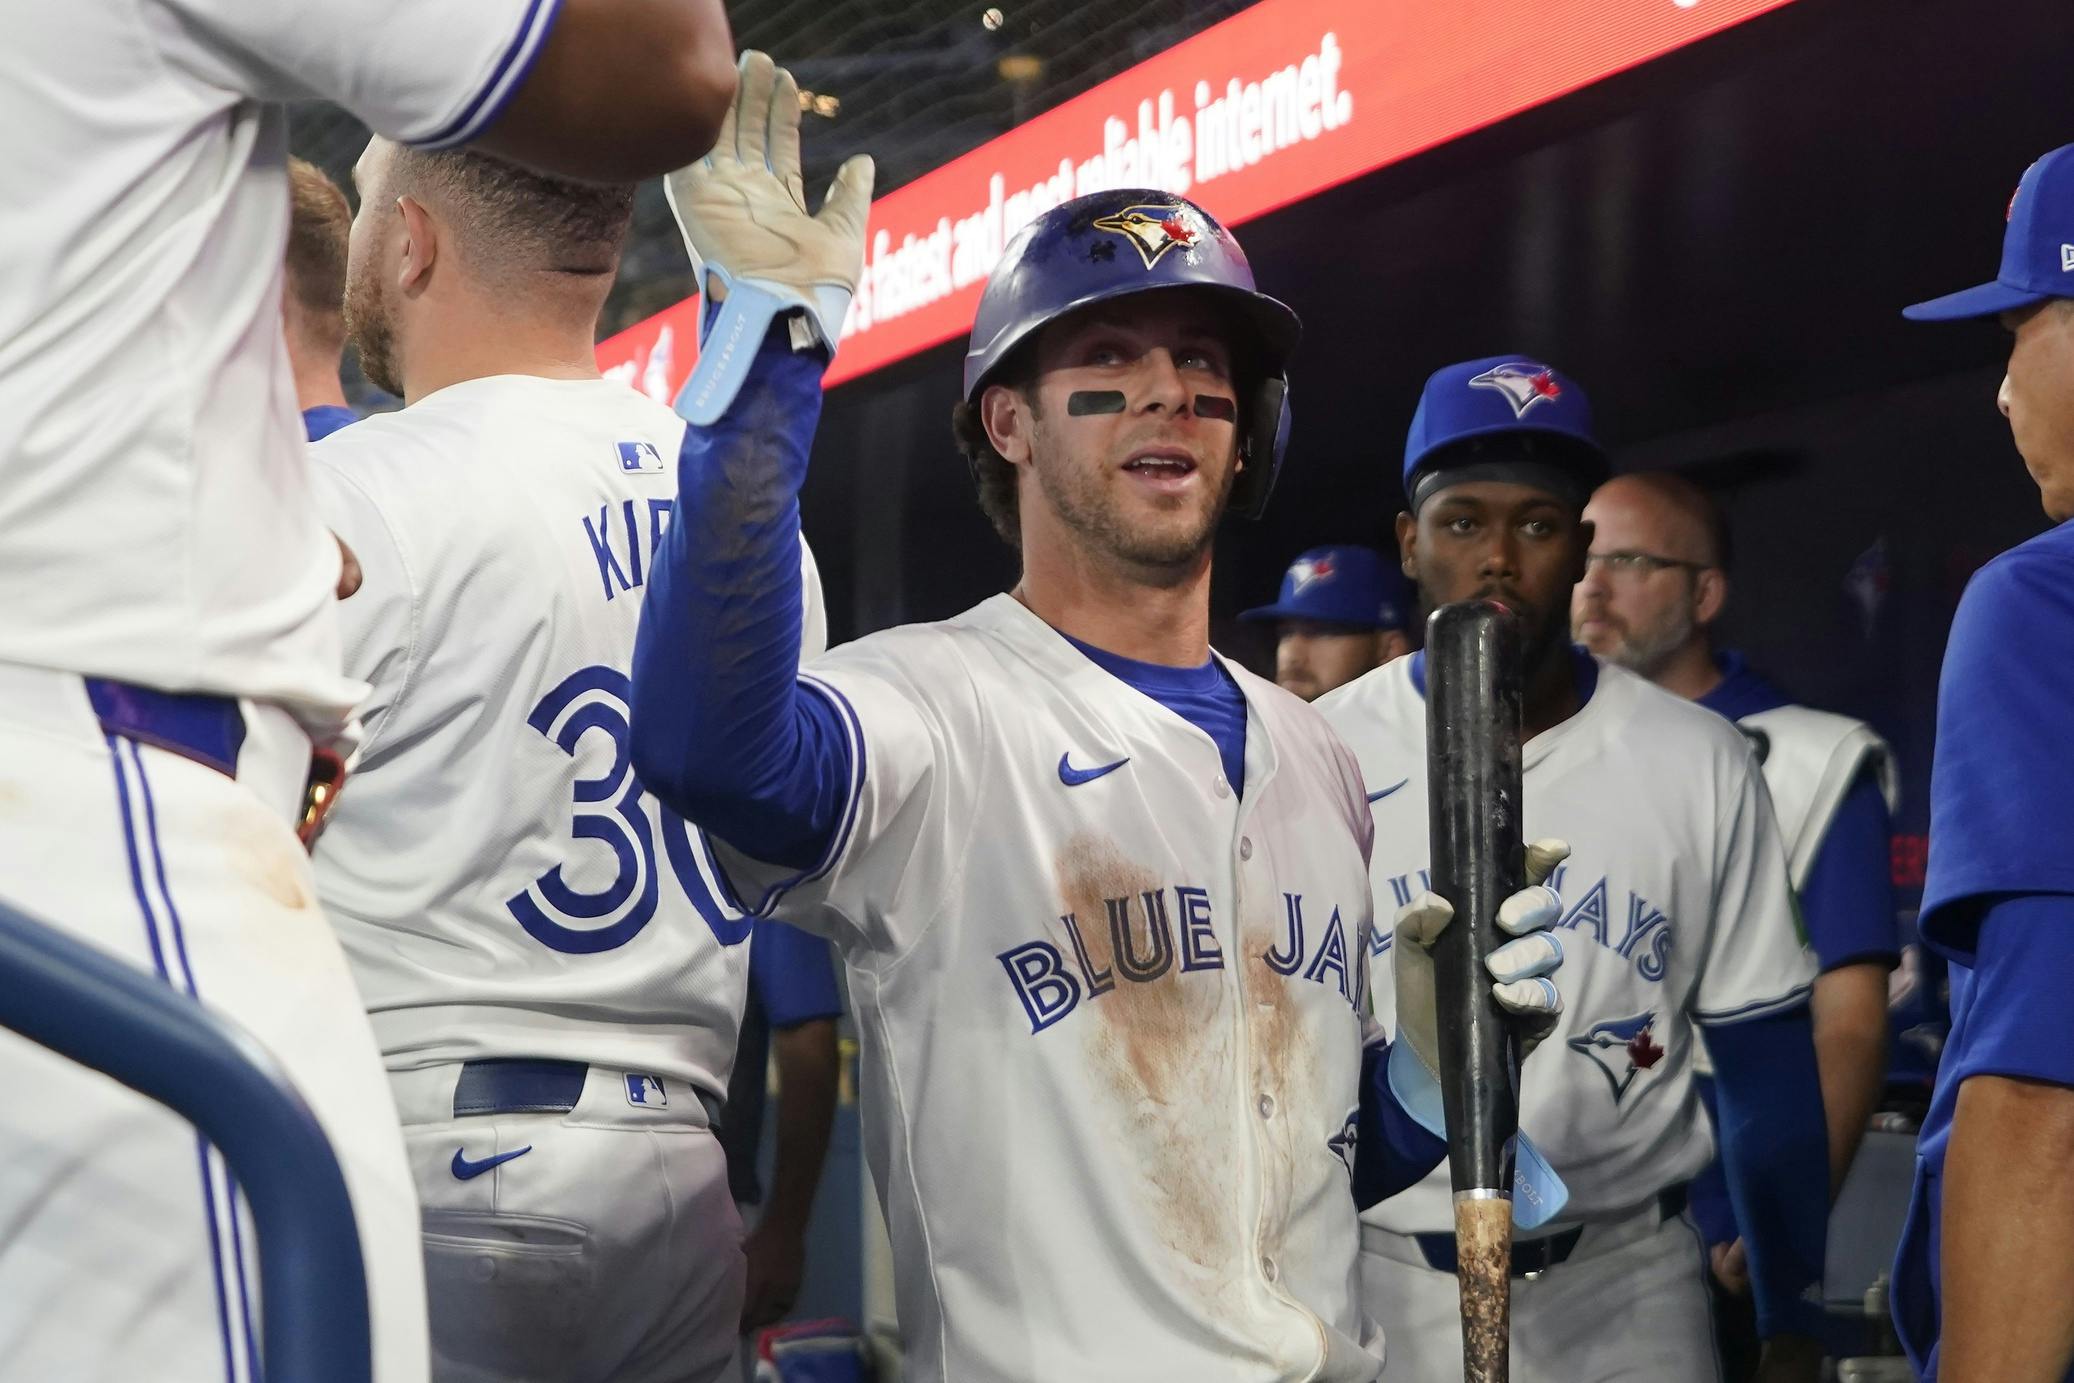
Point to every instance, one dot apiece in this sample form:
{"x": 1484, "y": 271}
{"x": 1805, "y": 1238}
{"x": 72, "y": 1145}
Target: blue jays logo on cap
{"x": 1354, "y": 586}
{"x": 1307, "y": 571}
{"x": 1609, "y": 1042}
{"x": 1154, "y": 230}
{"x": 2037, "y": 249}
{"x": 1462, "y": 401}
{"x": 1522, "y": 382}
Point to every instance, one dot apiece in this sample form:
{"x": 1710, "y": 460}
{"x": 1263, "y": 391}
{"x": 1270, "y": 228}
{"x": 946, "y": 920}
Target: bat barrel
{"x": 1473, "y": 695}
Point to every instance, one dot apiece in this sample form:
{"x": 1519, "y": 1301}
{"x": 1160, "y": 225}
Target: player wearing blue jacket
{"x": 1984, "y": 1285}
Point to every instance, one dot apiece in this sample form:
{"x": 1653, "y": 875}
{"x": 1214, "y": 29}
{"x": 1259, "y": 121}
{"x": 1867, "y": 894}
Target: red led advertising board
{"x": 1277, "y": 103}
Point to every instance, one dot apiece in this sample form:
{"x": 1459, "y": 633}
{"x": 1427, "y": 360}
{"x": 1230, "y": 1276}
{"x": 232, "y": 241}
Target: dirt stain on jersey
{"x": 1160, "y": 1048}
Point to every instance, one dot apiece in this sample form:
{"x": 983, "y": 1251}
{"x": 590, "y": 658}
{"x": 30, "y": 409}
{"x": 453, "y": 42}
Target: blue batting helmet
{"x": 1114, "y": 244}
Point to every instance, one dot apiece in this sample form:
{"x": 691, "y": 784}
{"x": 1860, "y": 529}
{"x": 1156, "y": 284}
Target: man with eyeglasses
{"x": 1655, "y": 583}
{"x": 1679, "y": 915}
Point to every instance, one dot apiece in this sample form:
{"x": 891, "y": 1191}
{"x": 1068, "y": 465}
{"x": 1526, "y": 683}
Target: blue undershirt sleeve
{"x": 1775, "y": 1151}
{"x": 1848, "y": 898}
{"x": 1392, "y": 1151}
{"x": 723, "y": 730}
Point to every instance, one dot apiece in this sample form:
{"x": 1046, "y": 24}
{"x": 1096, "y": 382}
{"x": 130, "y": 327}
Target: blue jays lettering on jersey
{"x": 1678, "y": 912}
{"x": 1996, "y": 901}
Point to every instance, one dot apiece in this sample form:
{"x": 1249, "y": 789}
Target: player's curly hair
{"x": 993, "y": 471}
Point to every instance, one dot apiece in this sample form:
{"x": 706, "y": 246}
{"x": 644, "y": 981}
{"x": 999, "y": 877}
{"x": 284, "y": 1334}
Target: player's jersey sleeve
{"x": 1848, "y": 896}
{"x": 378, "y": 624}
{"x": 2002, "y": 785}
{"x": 917, "y": 756}
{"x": 1757, "y": 960}
{"x": 430, "y": 72}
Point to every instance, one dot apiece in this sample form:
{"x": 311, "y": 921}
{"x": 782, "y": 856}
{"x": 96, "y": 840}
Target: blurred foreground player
{"x": 1680, "y": 917}
{"x": 1984, "y": 1286}
{"x": 168, "y": 657}
{"x": 1654, "y": 586}
{"x": 554, "y": 984}
{"x": 313, "y": 297}
{"x": 1102, "y": 895}
{"x": 1341, "y": 611}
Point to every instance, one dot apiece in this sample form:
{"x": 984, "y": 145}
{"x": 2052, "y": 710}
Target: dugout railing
{"x": 85, "y": 1005}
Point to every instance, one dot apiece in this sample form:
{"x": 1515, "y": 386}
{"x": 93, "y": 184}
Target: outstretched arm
{"x": 723, "y": 730}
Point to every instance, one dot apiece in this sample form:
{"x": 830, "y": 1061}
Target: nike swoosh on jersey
{"x": 1073, "y": 777}
{"x": 465, "y": 1170}
{"x": 1379, "y": 796}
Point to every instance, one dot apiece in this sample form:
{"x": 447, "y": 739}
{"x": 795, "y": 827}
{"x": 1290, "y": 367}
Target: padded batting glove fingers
{"x": 743, "y": 213}
{"x": 1520, "y": 969}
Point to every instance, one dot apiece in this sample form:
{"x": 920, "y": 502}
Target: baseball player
{"x": 1102, "y": 895}
{"x": 1654, "y": 584}
{"x": 313, "y": 295}
{"x": 168, "y": 658}
{"x": 1984, "y": 1285}
{"x": 1342, "y": 611}
{"x": 1679, "y": 917}
{"x": 554, "y": 984}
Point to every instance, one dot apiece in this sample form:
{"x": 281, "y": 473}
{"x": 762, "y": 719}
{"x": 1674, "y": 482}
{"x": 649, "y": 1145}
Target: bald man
{"x": 1656, "y": 582}
{"x": 313, "y": 297}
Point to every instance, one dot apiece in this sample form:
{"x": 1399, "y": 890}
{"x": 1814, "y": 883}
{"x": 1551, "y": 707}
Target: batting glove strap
{"x": 1538, "y": 1193}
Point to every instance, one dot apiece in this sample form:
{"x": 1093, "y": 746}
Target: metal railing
{"x": 92, "y": 1008}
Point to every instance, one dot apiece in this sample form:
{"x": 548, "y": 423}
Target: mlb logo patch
{"x": 646, "y": 1091}
{"x": 640, "y": 457}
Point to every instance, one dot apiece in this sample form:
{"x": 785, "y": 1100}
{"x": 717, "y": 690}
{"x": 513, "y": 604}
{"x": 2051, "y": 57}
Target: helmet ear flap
{"x": 1261, "y": 448}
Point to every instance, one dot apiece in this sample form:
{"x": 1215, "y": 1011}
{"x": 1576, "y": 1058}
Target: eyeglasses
{"x": 1633, "y": 566}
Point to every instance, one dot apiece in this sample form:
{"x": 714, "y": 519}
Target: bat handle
{"x": 1483, "y": 1273}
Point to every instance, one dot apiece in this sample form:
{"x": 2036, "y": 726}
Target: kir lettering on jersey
{"x": 1156, "y": 932}
{"x": 623, "y": 538}
{"x": 1621, "y": 920}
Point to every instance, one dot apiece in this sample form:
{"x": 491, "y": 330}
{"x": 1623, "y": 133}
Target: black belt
{"x": 1534, "y": 1256}
{"x": 521, "y": 1085}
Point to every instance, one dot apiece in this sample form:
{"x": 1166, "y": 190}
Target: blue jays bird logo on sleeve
{"x": 1153, "y": 229}
{"x": 1622, "y": 1048}
{"x": 1522, "y": 383}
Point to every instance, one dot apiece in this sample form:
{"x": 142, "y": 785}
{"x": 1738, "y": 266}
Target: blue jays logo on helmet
{"x": 1153, "y": 230}
{"x": 1523, "y": 383}
{"x": 1307, "y": 572}
{"x": 1621, "y": 1048}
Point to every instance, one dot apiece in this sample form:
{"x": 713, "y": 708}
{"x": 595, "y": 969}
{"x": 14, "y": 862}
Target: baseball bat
{"x": 1473, "y": 689}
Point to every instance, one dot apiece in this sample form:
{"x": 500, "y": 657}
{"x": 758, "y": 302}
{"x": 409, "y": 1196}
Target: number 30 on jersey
{"x": 613, "y": 810}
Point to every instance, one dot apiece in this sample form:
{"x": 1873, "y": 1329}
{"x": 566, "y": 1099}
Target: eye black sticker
{"x": 1216, "y": 406}
{"x": 1082, "y": 402}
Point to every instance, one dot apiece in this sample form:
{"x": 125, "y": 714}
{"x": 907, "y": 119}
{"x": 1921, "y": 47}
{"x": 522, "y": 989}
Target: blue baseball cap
{"x": 1340, "y": 585}
{"x": 2037, "y": 249}
{"x": 1504, "y": 395}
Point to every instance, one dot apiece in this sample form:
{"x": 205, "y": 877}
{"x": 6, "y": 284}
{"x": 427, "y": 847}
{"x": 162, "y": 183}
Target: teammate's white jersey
{"x": 153, "y": 497}
{"x": 502, "y": 885}
{"x": 1676, "y": 910}
{"x": 1110, "y": 1011}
